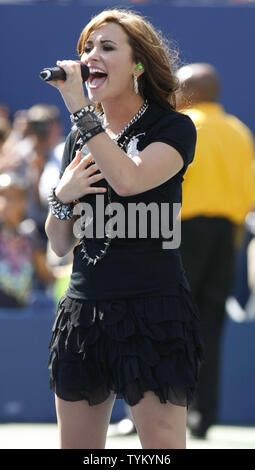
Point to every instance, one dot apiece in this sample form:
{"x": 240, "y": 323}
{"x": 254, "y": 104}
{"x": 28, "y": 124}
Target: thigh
{"x": 159, "y": 425}
{"x": 82, "y": 426}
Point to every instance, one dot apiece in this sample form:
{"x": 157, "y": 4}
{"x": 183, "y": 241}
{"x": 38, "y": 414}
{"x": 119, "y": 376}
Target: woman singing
{"x": 127, "y": 326}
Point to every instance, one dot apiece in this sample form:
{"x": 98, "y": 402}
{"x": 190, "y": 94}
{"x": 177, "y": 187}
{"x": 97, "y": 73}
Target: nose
{"x": 93, "y": 55}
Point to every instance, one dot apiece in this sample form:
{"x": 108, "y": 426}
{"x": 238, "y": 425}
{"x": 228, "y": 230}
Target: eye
{"x": 105, "y": 48}
{"x": 108, "y": 48}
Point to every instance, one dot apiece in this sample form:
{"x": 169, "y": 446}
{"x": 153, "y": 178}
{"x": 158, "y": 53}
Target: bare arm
{"x": 153, "y": 166}
{"x": 60, "y": 234}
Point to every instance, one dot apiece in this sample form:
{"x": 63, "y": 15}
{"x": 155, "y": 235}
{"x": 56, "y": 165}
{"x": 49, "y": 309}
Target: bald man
{"x": 218, "y": 192}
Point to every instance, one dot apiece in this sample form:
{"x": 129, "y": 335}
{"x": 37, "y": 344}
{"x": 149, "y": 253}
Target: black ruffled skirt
{"x": 127, "y": 345}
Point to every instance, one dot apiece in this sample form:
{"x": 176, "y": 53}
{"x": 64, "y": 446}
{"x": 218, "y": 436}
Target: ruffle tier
{"x": 128, "y": 346}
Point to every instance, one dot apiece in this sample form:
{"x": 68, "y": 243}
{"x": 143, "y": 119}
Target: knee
{"x": 163, "y": 435}
{"x": 166, "y": 441}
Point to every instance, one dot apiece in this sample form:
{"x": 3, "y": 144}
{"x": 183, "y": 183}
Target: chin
{"x": 95, "y": 96}
{"x": 101, "y": 95}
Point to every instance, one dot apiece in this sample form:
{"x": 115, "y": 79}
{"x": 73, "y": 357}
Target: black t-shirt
{"x": 135, "y": 266}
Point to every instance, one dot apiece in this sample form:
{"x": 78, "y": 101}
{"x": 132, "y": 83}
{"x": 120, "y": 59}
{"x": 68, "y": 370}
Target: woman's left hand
{"x": 71, "y": 89}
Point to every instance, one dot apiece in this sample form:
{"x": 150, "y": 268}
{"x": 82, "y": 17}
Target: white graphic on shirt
{"x": 132, "y": 146}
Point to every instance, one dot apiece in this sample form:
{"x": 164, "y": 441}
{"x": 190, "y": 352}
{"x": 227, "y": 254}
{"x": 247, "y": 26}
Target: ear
{"x": 139, "y": 69}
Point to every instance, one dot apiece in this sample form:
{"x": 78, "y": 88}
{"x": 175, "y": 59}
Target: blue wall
{"x": 35, "y": 36}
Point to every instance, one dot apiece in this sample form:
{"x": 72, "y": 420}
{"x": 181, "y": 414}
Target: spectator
{"x": 44, "y": 126}
{"x": 18, "y": 130}
{"x": 218, "y": 192}
{"x": 22, "y": 252}
{"x": 28, "y": 152}
{"x": 12, "y": 150}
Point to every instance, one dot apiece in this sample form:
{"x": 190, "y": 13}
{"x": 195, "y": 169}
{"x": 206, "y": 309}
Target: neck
{"x": 119, "y": 113}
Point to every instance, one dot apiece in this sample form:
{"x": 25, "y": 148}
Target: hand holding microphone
{"x": 58, "y": 73}
{"x": 68, "y": 77}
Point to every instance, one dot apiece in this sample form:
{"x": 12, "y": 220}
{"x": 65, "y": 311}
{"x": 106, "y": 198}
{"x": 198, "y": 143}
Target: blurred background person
{"x": 46, "y": 132}
{"x": 33, "y": 151}
{"x": 22, "y": 249}
{"x": 12, "y": 150}
{"x": 218, "y": 192}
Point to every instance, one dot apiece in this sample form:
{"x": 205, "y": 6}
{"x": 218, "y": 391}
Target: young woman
{"x": 127, "y": 326}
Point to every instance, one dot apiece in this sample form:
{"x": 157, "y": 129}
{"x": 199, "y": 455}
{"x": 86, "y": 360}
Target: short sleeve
{"x": 68, "y": 152}
{"x": 178, "y": 131}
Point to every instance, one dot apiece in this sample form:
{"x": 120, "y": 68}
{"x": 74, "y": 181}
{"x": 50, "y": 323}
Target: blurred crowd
{"x": 31, "y": 146}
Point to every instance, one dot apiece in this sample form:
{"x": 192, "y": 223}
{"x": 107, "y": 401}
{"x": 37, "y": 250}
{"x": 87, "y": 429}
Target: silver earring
{"x": 136, "y": 90}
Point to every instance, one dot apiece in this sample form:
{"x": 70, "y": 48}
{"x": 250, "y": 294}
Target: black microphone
{"x": 57, "y": 73}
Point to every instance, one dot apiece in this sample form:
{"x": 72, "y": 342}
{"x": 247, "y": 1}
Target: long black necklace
{"x": 121, "y": 140}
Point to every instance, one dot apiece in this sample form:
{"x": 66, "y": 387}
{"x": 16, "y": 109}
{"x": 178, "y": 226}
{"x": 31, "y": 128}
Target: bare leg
{"x": 159, "y": 425}
{"x": 82, "y": 426}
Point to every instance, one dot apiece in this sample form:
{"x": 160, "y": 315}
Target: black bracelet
{"x": 86, "y": 135}
{"x": 59, "y": 209}
{"x": 81, "y": 113}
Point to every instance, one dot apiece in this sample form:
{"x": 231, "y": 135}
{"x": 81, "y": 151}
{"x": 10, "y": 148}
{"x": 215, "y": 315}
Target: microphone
{"x": 57, "y": 73}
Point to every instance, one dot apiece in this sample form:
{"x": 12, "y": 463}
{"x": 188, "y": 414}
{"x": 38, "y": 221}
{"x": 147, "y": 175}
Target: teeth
{"x": 92, "y": 70}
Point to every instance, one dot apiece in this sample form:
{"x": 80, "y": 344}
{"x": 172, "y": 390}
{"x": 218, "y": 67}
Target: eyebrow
{"x": 102, "y": 41}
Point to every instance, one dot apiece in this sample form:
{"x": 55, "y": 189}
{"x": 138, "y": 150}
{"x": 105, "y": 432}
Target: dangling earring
{"x": 136, "y": 89}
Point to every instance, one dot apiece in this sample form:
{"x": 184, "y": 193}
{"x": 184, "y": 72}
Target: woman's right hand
{"x": 77, "y": 178}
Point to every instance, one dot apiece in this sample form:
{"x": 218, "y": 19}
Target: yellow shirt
{"x": 220, "y": 181}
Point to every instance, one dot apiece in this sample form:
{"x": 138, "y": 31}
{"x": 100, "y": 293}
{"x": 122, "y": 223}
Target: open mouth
{"x": 96, "y": 78}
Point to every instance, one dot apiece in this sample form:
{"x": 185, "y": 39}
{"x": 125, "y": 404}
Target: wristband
{"x": 59, "y": 209}
{"x": 81, "y": 113}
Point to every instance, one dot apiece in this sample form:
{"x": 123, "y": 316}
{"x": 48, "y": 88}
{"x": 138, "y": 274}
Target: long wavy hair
{"x": 158, "y": 82}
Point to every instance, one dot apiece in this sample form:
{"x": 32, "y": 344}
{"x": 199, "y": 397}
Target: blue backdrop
{"x": 35, "y": 36}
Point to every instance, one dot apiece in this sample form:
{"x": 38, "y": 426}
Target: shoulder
{"x": 174, "y": 123}
{"x": 197, "y": 116}
{"x": 175, "y": 129}
{"x": 180, "y": 120}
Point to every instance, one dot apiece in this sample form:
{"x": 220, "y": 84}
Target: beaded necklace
{"x": 117, "y": 140}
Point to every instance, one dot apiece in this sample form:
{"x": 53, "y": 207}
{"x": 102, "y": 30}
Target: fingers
{"x": 76, "y": 160}
{"x": 71, "y": 67}
{"x": 80, "y": 163}
{"x": 73, "y": 75}
{"x": 95, "y": 189}
{"x": 85, "y": 161}
{"x": 95, "y": 178}
{"x": 55, "y": 83}
{"x": 92, "y": 169}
